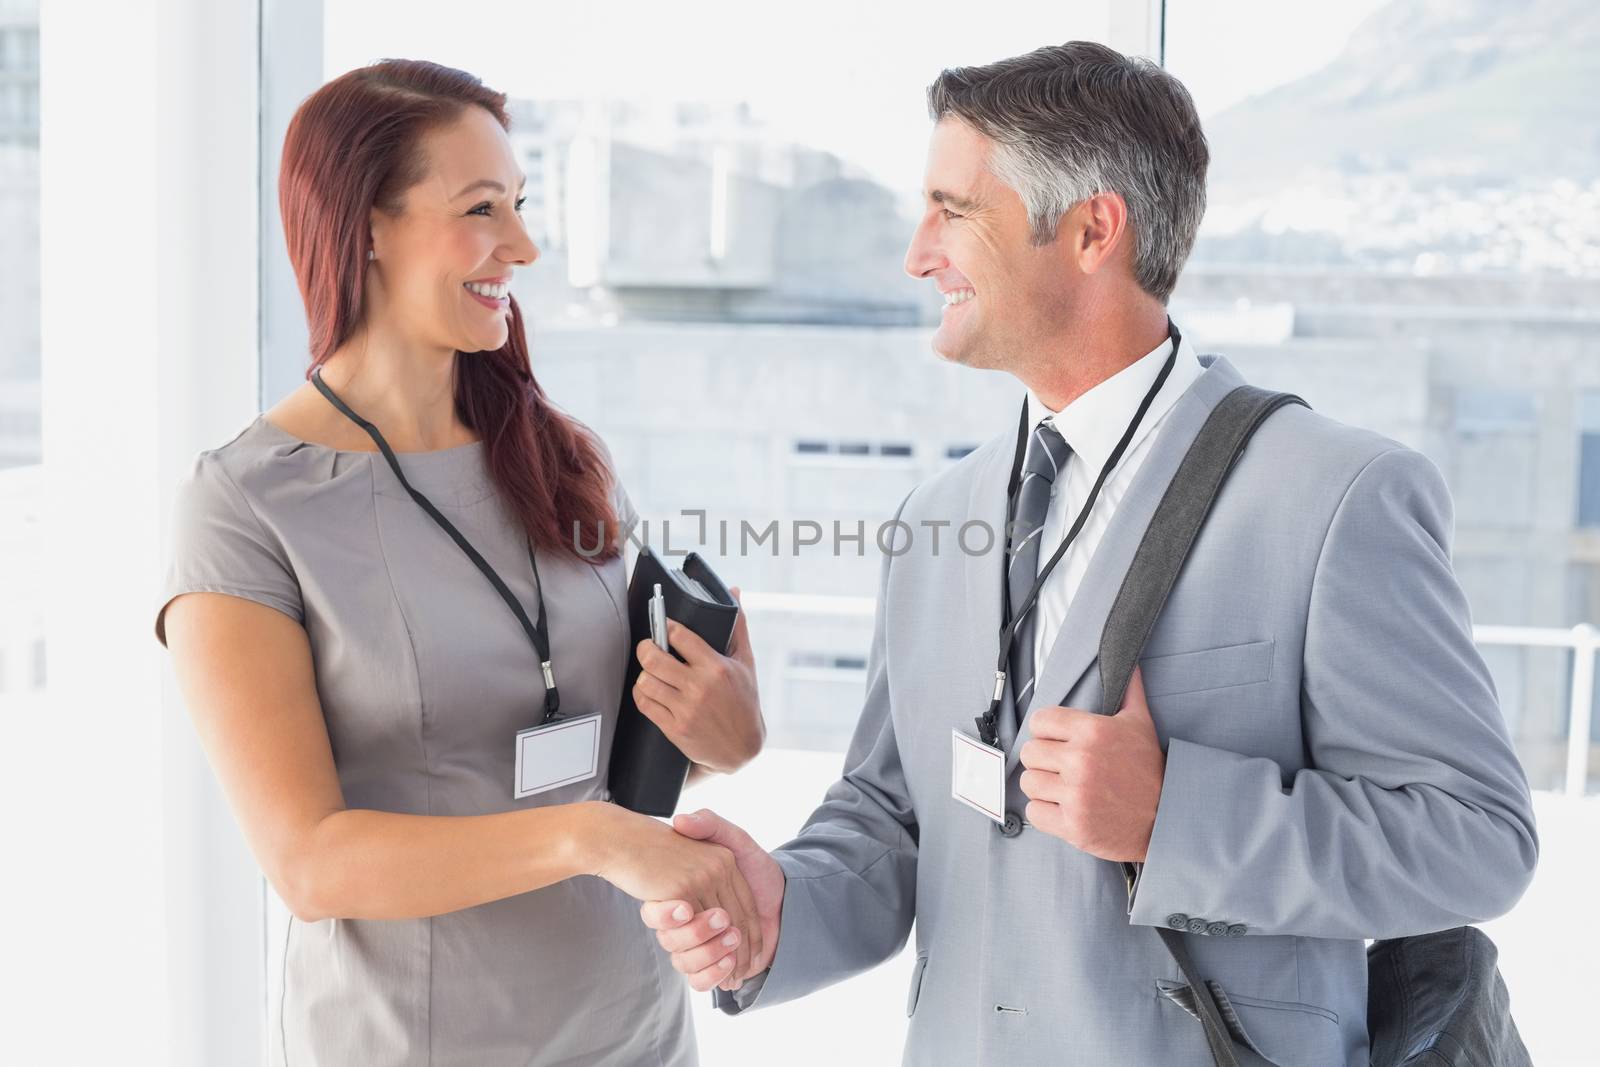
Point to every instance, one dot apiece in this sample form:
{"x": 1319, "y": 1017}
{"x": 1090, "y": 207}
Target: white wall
{"x": 131, "y": 893}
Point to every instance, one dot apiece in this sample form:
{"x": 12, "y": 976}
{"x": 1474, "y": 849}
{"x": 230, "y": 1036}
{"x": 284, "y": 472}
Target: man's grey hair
{"x": 1073, "y": 121}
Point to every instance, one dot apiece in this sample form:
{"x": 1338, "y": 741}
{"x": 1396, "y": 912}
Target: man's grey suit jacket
{"x": 1337, "y": 769}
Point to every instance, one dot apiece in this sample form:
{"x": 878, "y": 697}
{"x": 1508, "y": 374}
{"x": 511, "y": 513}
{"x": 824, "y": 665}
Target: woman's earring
{"x": 371, "y": 254}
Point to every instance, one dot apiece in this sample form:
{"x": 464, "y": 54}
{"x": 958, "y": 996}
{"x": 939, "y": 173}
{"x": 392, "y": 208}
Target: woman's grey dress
{"x": 424, "y": 678}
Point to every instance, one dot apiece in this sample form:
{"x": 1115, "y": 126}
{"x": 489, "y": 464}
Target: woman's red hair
{"x": 355, "y": 144}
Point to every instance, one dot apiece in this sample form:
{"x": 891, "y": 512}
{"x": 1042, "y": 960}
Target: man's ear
{"x": 1098, "y": 228}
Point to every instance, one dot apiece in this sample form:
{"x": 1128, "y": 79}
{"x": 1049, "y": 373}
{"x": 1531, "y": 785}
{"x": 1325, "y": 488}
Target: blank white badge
{"x": 978, "y": 775}
{"x": 560, "y": 753}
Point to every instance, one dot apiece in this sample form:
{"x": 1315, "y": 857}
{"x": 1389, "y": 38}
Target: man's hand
{"x": 708, "y": 705}
{"x": 1095, "y": 780}
{"x": 699, "y": 943}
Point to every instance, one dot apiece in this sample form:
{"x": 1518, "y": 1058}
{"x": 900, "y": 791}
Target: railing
{"x": 1582, "y": 639}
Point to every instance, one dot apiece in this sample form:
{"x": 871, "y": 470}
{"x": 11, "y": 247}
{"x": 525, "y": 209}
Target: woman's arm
{"x": 246, "y": 675}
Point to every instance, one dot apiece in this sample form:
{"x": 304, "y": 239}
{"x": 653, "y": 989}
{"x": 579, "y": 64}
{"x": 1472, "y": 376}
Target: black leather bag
{"x": 1437, "y": 1000}
{"x": 1434, "y": 999}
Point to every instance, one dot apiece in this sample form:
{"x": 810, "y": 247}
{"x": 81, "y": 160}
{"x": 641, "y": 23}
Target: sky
{"x": 846, "y": 76}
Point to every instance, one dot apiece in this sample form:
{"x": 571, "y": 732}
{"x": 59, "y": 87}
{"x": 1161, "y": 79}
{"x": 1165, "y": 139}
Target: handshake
{"x": 730, "y": 932}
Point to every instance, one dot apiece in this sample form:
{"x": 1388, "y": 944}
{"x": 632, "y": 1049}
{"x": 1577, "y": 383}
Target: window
{"x": 822, "y": 694}
{"x": 1589, "y": 459}
{"x": 22, "y": 495}
{"x": 1428, "y": 291}
{"x": 1401, "y": 181}
{"x": 747, "y": 253}
{"x": 826, "y": 661}
{"x": 1496, "y": 437}
{"x": 894, "y": 449}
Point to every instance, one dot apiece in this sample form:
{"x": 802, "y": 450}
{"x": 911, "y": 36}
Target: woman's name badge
{"x": 560, "y": 753}
{"x": 978, "y": 775}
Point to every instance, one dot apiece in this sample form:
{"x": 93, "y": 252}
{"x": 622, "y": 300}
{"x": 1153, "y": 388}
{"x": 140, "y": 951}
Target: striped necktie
{"x": 1044, "y": 462}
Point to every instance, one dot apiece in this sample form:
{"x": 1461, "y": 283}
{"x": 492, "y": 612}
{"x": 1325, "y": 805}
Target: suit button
{"x": 1217, "y": 930}
{"x": 1178, "y": 920}
{"x": 1197, "y": 925}
{"x": 1013, "y": 824}
{"x": 1236, "y": 930}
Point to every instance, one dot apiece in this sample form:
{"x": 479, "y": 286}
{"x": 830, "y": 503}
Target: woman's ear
{"x": 376, "y": 222}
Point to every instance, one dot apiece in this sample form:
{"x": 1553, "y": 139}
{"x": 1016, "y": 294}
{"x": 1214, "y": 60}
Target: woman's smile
{"x": 493, "y": 295}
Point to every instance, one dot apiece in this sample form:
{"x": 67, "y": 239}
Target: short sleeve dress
{"x": 424, "y": 678}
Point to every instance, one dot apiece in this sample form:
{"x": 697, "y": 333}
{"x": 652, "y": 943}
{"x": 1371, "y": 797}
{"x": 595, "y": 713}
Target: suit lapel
{"x": 1077, "y": 643}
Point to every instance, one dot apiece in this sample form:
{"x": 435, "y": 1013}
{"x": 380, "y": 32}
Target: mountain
{"x": 1476, "y": 91}
{"x": 1447, "y": 137}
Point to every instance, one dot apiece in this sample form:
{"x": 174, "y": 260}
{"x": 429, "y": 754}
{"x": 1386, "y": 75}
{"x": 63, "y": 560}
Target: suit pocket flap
{"x": 1207, "y": 668}
{"x": 1280, "y": 1032}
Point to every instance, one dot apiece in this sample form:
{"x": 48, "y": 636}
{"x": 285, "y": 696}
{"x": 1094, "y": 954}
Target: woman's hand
{"x": 708, "y": 706}
{"x": 692, "y": 939}
{"x": 649, "y": 860}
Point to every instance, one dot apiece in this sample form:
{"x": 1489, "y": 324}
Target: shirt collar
{"x": 1094, "y": 422}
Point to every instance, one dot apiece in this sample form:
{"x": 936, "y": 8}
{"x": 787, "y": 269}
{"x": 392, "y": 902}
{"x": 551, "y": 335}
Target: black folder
{"x": 647, "y": 771}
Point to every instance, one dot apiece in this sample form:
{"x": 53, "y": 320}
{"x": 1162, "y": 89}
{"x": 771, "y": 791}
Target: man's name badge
{"x": 978, "y": 775}
{"x": 560, "y": 753}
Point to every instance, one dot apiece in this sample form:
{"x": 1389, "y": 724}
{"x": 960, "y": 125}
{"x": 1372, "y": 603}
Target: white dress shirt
{"x": 1092, "y": 425}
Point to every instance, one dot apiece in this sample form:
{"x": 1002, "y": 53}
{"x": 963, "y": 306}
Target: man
{"x": 1312, "y": 753}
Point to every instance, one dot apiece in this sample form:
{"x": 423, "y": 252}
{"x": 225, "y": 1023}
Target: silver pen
{"x": 658, "y": 619}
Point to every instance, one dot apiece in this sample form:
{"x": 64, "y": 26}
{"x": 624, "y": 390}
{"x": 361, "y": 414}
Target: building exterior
{"x": 19, "y": 72}
{"x": 19, "y": 232}
{"x": 755, "y": 423}
{"x": 773, "y": 367}
{"x": 730, "y": 314}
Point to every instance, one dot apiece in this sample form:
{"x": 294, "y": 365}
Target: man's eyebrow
{"x": 488, "y": 183}
{"x": 960, "y": 203}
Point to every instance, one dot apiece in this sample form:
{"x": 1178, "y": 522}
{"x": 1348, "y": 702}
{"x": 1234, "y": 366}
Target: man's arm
{"x": 849, "y": 877}
{"x": 1413, "y": 814}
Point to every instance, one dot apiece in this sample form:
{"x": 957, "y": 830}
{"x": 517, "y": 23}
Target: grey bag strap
{"x": 1173, "y": 528}
{"x": 1225, "y": 1051}
{"x": 1155, "y": 568}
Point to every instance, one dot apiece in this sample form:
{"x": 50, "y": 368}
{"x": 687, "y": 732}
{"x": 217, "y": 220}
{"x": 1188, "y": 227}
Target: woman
{"x": 356, "y": 676}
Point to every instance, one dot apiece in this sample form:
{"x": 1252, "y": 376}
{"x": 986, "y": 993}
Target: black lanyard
{"x": 538, "y": 632}
{"x": 988, "y": 722}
